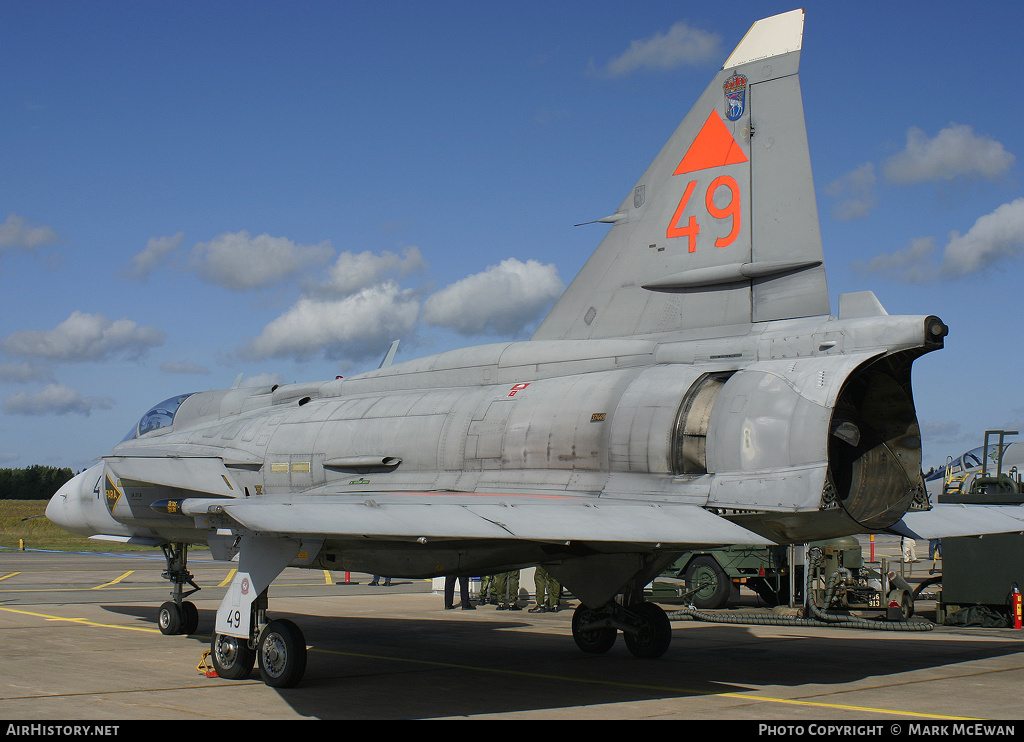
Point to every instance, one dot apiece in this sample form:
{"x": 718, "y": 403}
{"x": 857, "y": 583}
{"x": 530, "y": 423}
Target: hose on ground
{"x": 770, "y": 619}
{"x": 821, "y": 618}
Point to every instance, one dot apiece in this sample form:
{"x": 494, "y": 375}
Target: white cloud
{"x": 18, "y": 232}
{"x": 913, "y": 264}
{"x": 265, "y": 379}
{"x": 355, "y": 327}
{"x": 239, "y": 261}
{"x": 84, "y": 337}
{"x": 855, "y": 192}
{"x": 956, "y": 151}
{"x": 157, "y": 248}
{"x": 502, "y": 299}
{"x": 54, "y": 399}
{"x": 682, "y": 45}
{"x": 994, "y": 237}
{"x": 352, "y": 272}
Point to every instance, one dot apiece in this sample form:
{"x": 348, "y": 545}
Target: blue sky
{"x": 194, "y": 190}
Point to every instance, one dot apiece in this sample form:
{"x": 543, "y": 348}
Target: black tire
{"x": 592, "y": 641}
{"x": 170, "y": 619}
{"x": 907, "y": 607}
{"x": 190, "y": 620}
{"x": 905, "y": 601}
{"x": 233, "y": 659}
{"x": 716, "y": 587}
{"x": 281, "y": 652}
{"x": 655, "y": 633}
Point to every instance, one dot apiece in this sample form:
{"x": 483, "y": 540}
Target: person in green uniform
{"x": 548, "y": 591}
{"x": 507, "y": 589}
{"x": 488, "y": 590}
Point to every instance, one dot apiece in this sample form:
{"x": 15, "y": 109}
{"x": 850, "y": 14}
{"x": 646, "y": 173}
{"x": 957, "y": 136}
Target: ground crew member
{"x": 546, "y": 585}
{"x": 507, "y": 588}
{"x": 488, "y": 591}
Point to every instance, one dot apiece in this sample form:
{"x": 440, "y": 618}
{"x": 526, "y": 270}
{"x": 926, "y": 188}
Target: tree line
{"x": 32, "y": 483}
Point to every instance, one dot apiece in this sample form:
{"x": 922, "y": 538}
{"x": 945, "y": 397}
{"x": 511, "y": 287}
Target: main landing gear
{"x": 645, "y": 628}
{"x": 178, "y": 616}
{"x": 278, "y": 646}
{"x": 610, "y": 588}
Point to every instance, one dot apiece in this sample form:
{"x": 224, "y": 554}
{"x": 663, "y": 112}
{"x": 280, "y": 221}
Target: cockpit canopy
{"x": 159, "y": 416}
{"x": 971, "y": 460}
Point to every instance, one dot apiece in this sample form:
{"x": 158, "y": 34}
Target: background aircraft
{"x": 689, "y": 388}
{"x": 999, "y": 455}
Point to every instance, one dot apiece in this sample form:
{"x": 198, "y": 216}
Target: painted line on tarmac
{"x": 113, "y": 585}
{"x": 645, "y": 686}
{"x": 546, "y": 676}
{"x": 81, "y": 621}
{"x": 129, "y": 691}
{"x": 114, "y": 581}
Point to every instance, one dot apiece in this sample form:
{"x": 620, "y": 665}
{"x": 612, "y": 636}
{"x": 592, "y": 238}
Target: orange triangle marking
{"x": 713, "y": 147}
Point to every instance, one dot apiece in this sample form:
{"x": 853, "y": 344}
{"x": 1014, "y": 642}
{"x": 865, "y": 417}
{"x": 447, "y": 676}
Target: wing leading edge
{"x": 947, "y": 520}
{"x": 557, "y": 519}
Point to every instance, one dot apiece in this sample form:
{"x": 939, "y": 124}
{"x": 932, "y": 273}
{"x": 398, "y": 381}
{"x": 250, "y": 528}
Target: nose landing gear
{"x": 178, "y": 616}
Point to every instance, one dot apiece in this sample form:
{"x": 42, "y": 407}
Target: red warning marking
{"x": 713, "y": 147}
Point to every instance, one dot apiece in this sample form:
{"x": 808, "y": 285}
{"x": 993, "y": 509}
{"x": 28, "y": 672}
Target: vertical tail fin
{"x": 722, "y": 228}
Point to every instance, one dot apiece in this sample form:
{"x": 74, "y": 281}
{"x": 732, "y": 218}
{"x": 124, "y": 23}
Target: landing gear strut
{"x": 243, "y": 633}
{"x": 278, "y": 645}
{"x": 645, "y": 628}
{"x": 178, "y": 616}
{"x": 597, "y": 578}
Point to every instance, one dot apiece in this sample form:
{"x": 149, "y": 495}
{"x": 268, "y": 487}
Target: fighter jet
{"x": 689, "y": 388}
{"x": 959, "y": 475}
